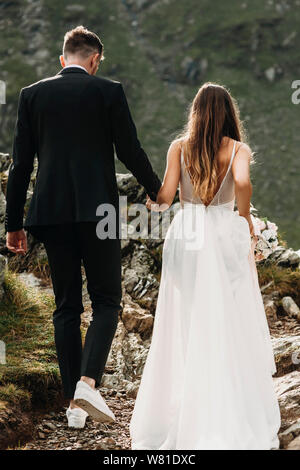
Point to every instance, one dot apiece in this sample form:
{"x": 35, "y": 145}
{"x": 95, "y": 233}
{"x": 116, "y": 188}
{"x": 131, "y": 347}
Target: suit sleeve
{"x": 20, "y": 169}
{"x": 128, "y": 147}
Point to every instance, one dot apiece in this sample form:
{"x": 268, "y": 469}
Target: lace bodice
{"x": 224, "y": 195}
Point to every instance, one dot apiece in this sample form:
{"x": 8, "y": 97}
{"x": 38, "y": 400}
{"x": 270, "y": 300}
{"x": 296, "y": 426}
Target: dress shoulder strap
{"x": 233, "y": 154}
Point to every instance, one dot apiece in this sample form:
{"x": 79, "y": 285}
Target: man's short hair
{"x": 80, "y": 41}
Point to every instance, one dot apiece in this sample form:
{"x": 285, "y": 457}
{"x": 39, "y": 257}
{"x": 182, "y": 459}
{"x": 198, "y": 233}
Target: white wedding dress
{"x": 207, "y": 382}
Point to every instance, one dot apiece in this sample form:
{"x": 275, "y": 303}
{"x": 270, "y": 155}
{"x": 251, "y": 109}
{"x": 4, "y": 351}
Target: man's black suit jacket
{"x": 72, "y": 122}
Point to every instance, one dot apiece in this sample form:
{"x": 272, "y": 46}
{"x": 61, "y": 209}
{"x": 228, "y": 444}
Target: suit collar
{"x": 72, "y": 70}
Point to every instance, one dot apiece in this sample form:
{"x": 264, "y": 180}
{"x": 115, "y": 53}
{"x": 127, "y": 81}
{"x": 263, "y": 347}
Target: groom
{"x": 72, "y": 122}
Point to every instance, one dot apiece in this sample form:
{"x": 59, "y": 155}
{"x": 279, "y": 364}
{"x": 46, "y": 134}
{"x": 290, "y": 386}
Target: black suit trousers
{"x": 67, "y": 247}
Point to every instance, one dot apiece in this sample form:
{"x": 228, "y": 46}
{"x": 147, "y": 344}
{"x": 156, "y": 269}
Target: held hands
{"x": 153, "y": 206}
{"x": 17, "y": 242}
{"x": 251, "y": 228}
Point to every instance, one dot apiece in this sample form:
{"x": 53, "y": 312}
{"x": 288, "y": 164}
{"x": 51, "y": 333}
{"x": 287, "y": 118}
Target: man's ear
{"x": 95, "y": 59}
{"x": 62, "y": 61}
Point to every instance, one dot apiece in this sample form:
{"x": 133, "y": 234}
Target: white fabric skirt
{"x": 207, "y": 382}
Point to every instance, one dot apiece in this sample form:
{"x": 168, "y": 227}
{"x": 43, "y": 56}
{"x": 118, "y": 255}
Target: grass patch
{"x": 13, "y": 395}
{"x": 285, "y": 280}
{"x": 27, "y": 330}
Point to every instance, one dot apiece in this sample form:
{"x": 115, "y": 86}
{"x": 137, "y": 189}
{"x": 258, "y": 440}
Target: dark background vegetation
{"x": 162, "y": 51}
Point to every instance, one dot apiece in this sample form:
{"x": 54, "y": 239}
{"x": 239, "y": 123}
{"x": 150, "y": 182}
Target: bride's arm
{"x": 169, "y": 187}
{"x": 243, "y": 186}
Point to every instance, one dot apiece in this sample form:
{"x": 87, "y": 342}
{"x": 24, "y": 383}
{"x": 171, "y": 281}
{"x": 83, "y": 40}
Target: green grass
{"x": 14, "y": 396}
{"x": 26, "y": 328}
{"x": 284, "y": 280}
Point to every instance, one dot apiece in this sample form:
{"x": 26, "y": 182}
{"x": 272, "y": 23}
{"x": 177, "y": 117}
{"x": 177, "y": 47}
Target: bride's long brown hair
{"x": 214, "y": 114}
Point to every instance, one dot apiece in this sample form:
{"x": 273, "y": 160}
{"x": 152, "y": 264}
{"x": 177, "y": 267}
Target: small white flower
{"x": 272, "y": 226}
{"x": 269, "y": 235}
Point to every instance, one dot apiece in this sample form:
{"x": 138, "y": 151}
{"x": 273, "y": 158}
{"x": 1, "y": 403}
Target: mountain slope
{"x": 162, "y": 50}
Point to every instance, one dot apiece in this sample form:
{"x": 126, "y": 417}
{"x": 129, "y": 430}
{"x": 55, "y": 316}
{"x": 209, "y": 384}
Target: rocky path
{"x": 120, "y": 382}
{"x": 52, "y": 432}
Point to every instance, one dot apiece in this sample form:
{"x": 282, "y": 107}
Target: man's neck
{"x": 76, "y": 65}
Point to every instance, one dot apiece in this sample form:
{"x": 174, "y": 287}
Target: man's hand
{"x": 153, "y": 206}
{"x": 17, "y": 242}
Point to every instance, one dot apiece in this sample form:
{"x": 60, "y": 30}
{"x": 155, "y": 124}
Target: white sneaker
{"x": 76, "y": 417}
{"x": 92, "y": 402}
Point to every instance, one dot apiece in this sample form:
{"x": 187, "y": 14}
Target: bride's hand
{"x": 153, "y": 206}
{"x": 251, "y": 227}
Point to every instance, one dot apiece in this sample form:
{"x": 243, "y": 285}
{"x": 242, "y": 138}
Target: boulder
{"x": 128, "y": 187}
{"x": 290, "y": 307}
{"x": 294, "y": 445}
{"x": 4, "y": 161}
{"x": 191, "y": 69}
{"x": 278, "y": 251}
{"x": 136, "y": 319}
{"x": 126, "y": 361}
{"x": 270, "y": 74}
{"x": 288, "y": 436}
{"x": 286, "y": 350}
{"x": 289, "y": 258}
{"x": 271, "y": 303}
{"x": 270, "y": 309}
{"x": 140, "y": 270}
{"x": 287, "y": 389}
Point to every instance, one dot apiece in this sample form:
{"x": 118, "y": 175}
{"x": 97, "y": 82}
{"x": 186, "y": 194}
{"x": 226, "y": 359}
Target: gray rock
{"x": 193, "y": 68}
{"x": 270, "y": 308}
{"x": 289, "y": 435}
{"x": 131, "y": 279}
{"x": 288, "y": 258}
{"x": 294, "y": 445}
{"x": 285, "y": 348}
{"x": 4, "y": 161}
{"x": 287, "y": 389}
{"x": 279, "y": 250}
{"x": 139, "y": 270}
{"x": 290, "y": 307}
{"x": 50, "y": 426}
{"x": 126, "y": 360}
{"x": 136, "y": 319}
{"x": 128, "y": 187}
{"x": 270, "y": 74}
{"x": 273, "y": 72}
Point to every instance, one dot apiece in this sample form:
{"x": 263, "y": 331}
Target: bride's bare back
{"x": 234, "y": 172}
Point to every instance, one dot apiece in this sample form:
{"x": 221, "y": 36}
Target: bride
{"x": 207, "y": 382}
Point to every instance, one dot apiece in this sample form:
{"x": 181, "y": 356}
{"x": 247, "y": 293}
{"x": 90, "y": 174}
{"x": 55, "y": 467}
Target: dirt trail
{"x": 52, "y": 432}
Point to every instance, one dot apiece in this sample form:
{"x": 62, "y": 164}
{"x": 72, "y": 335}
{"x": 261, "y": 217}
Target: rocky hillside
{"x": 29, "y": 383}
{"x": 162, "y": 50}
